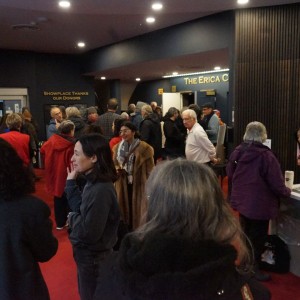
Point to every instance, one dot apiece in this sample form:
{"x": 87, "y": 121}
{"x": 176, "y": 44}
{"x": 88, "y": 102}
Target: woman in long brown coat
{"x": 133, "y": 159}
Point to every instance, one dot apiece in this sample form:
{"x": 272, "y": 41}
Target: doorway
{"x": 12, "y": 100}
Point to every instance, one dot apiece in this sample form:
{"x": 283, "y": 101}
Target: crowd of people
{"x": 152, "y": 173}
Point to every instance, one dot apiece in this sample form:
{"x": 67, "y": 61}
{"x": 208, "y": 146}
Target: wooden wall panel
{"x": 267, "y": 76}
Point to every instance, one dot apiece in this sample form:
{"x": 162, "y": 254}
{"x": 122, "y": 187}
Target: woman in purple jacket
{"x": 257, "y": 184}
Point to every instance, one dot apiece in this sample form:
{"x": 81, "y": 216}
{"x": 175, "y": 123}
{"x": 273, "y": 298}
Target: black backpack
{"x": 276, "y": 256}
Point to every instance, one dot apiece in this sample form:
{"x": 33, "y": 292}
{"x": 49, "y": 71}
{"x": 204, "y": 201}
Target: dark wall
{"x": 267, "y": 76}
{"x": 148, "y": 91}
{"x": 205, "y": 34}
{"x": 45, "y": 72}
{"x": 104, "y": 90}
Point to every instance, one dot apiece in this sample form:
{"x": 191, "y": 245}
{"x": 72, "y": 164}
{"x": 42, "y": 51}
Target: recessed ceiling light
{"x": 175, "y": 73}
{"x": 138, "y": 79}
{"x": 103, "y": 77}
{"x": 150, "y": 20}
{"x": 157, "y": 6}
{"x": 217, "y": 68}
{"x": 81, "y": 44}
{"x": 64, "y": 4}
{"x": 242, "y": 1}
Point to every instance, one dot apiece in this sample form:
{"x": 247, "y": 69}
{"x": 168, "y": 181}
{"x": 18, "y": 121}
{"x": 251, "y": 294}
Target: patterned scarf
{"x": 126, "y": 156}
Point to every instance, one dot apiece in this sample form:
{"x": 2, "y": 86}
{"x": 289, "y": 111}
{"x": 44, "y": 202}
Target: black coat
{"x": 175, "y": 140}
{"x": 164, "y": 267}
{"x": 26, "y": 239}
{"x": 150, "y": 130}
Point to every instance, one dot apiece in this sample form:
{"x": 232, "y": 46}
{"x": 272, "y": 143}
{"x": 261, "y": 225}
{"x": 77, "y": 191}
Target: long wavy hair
{"x": 96, "y": 144}
{"x": 16, "y": 179}
{"x": 185, "y": 199}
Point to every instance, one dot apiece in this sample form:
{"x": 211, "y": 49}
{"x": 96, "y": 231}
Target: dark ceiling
{"x": 42, "y": 26}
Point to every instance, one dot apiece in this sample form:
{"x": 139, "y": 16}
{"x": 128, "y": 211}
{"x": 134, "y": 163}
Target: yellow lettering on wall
{"x": 65, "y": 95}
{"x": 191, "y": 80}
{"x": 225, "y": 77}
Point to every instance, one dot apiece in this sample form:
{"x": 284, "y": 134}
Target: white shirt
{"x": 198, "y": 147}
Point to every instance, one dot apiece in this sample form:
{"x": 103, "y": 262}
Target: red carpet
{"x": 60, "y": 271}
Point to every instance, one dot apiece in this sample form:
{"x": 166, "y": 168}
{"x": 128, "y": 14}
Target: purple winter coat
{"x": 257, "y": 181}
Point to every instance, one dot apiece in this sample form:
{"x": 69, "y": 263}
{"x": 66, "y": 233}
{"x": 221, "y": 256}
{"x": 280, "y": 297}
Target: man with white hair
{"x": 198, "y": 147}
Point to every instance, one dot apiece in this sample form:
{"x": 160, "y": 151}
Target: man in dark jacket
{"x": 107, "y": 119}
{"x": 150, "y": 130}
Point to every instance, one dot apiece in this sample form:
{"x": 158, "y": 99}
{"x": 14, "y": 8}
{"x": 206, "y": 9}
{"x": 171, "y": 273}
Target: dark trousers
{"x": 257, "y": 232}
{"x": 88, "y": 265}
{"x": 61, "y": 210}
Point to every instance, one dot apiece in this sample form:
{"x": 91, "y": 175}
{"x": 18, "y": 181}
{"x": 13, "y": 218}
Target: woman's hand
{"x": 72, "y": 174}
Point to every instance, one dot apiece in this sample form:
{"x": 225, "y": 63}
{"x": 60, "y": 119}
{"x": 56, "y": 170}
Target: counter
{"x": 288, "y": 227}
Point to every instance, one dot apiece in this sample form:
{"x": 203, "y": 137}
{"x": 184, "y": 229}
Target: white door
{"x": 171, "y": 100}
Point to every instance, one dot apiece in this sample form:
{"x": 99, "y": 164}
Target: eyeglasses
{"x": 186, "y": 119}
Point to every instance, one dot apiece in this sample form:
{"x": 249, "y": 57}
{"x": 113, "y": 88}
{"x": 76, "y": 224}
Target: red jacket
{"x": 20, "y": 142}
{"x": 57, "y": 151}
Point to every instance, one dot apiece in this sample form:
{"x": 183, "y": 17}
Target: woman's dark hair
{"x": 92, "y": 128}
{"x": 15, "y": 178}
{"x": 117, "y": 126}
{"x": 104, "y": 169}
{"x": 132, "y": 127}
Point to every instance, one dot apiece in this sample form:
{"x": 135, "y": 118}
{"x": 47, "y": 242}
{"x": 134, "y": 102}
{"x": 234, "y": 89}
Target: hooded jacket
{"x": 172, "y": 268}
{"x": 79, "y": 125}
{"x": 57, "y": 151}
{"x": 257, "y": 181}
{"x": 20, "y": 142}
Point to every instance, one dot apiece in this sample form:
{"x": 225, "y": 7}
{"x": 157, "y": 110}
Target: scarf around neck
{"x": 126, "y": 156}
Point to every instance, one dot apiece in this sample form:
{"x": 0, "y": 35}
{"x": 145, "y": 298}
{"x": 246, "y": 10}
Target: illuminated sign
{"x": 206, "y": 79}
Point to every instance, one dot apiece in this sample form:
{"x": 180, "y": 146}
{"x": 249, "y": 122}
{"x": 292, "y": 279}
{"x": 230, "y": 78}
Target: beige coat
{"x": 143, "y": 165}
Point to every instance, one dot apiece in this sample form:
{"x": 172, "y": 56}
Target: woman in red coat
{"x": 58, "y": 151}
{"x": 19, "y": 141}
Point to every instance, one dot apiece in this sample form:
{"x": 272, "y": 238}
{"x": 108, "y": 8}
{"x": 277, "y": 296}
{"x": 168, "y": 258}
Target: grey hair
{"x": 185, "y": 199}
{"x": 255, "y": 131}
{"x": 191, "y": 113}
{"x": 172, "y": 111}
{"x": 66, "y": 127}
{"x": 147, "y": 109}
{"x": 72, "y": 111}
